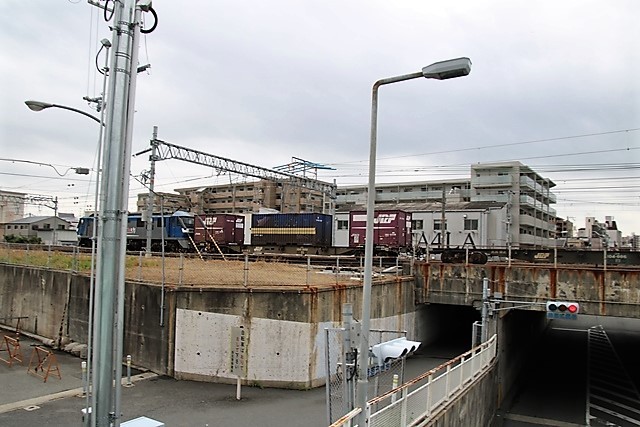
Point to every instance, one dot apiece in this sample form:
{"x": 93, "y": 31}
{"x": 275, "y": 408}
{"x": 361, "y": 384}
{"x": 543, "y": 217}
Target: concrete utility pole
{"x": 443, "y": 218}
{"x": 152, "y": 178}
{"x": 110, "y": 270}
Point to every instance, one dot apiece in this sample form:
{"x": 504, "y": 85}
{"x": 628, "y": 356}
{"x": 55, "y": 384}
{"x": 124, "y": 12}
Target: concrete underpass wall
{"x": 476, "y": 407}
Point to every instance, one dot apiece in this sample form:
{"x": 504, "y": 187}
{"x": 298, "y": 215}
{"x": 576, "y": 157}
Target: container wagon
{"x": 223, "y": 232}
{"x": 285, "y": 232}
{"x": 391, "y": 231}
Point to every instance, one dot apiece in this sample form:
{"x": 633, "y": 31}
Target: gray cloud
{"x": 262, "y": 82}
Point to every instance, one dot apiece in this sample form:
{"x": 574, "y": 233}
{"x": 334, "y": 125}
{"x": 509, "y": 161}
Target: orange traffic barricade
{"x": 45, "y": 361}
{"x": 12, "y": 347}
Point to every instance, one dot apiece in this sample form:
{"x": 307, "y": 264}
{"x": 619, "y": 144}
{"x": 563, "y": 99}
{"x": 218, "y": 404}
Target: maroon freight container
{"x": 391, "y": 228}
{"x": 225, "y": 229}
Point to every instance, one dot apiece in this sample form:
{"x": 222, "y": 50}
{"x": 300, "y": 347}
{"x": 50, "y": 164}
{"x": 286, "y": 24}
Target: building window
{"x": 436, "y": 224}
{"x": 470, "y": 224}
{"x": 343, "y": 224}
{"x": 417, "y": 224}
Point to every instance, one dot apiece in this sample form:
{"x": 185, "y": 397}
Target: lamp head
{"x": 448, "y": 69}
{"x": 37, "y": 105}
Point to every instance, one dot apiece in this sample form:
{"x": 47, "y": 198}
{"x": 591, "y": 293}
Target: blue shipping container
{"x": 298, "y": 229}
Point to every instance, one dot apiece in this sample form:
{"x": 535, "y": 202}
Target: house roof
{"x": 34, "y": 219}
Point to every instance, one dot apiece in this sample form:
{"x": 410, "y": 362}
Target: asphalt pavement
{"x": 26, "y": 400}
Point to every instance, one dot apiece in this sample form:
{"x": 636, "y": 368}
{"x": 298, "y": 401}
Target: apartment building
{"x": 241, "y": 198}
{"x": 529, "y": 218}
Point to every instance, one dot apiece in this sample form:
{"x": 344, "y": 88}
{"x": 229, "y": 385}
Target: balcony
{"x": 492, "y": 181}
{"x": 500, "y": 198}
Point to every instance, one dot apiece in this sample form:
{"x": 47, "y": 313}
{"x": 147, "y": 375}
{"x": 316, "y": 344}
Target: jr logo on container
{"x": 385, "y": 219}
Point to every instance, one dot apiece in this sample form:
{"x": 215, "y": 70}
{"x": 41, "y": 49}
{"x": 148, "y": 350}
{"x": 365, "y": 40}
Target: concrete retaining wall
{"x": 285, "y": 325}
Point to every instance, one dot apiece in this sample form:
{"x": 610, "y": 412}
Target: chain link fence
{"x": 342, "y": 371}
{"x": 248, "y": 270}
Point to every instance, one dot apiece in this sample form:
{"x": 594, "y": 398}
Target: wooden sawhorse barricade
{"x": 45, "y": 361}
{"x": 12, "y": 347}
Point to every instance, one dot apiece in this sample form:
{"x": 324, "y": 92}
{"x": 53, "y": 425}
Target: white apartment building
{"x": 528, "y": 218}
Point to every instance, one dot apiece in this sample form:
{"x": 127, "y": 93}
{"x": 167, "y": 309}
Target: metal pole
{"x": 347, "y": 350}
{"x": 150, "y": 198}
{"x": 129, "y": 383}
{"x": 485, "y": 308}
{"x": 135, "y": 17}
{"x": 162, "y": 230}
{"x": 443, "y": 218}
{"x": 113, "y": 216}
{"x": 363, "y": 382}
{"x": 55, "y": 221}
{"x": 94, "y": 233}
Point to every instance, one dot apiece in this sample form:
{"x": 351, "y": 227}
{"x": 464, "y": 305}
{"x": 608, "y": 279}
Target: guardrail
{"x": 417, "y": 400}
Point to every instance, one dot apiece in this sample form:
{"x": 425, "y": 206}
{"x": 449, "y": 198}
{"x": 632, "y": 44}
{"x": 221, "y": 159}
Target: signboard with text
{"x": 238, "y": 351}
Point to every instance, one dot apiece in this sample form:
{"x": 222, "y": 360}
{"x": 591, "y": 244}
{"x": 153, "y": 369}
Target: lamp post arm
{"x": 64, "y": 107}
{"x": 368, "y": 245}
{"x": 395, "y": 79}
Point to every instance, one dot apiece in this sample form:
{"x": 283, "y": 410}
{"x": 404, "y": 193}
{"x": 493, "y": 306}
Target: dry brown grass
{"x": 196, "y": 272}
{"x": 187, "y": 271}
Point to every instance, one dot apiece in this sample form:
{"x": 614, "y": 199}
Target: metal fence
{"x": 249, "y": 270}
{"x": 414, "y": 402}
{"x": 342, "y": 371}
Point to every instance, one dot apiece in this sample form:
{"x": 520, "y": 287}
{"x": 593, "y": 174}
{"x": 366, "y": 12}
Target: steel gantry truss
{"x": 162, "y": 150}
{"x": 46, "y": 201}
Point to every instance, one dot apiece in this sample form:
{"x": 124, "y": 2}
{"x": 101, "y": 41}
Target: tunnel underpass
{"x": 556, "y": 381}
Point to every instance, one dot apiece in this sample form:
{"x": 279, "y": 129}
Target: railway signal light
{"x": 562, "y": 310}
{"x": 394, "y": 349}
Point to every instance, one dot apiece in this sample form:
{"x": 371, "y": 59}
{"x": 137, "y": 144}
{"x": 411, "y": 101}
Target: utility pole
{"x": 110, "y": 270}
{"x": 508, "y": 225}
{"x": 55, "y": 221}
{"x": 443, "y": 225}
{"x": 152, "y": 174}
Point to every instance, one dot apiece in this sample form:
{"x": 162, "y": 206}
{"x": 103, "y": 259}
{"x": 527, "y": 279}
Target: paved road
{"x": 176, "y": 403}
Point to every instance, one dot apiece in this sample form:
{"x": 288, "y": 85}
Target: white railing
{"x": 415, "y": 401}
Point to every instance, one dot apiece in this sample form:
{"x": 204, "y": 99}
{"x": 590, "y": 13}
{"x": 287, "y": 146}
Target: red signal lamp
{"x": 562, "y": 310}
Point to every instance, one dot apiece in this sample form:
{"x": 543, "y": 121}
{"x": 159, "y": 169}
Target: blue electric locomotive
{"x": 178, "y": 231}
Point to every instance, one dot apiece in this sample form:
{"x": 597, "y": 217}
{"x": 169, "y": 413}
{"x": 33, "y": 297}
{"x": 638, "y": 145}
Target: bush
{"x": 31, "y": 240}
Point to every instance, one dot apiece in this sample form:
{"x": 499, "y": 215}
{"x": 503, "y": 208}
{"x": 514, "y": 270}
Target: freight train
{"x": 310, "y": 233}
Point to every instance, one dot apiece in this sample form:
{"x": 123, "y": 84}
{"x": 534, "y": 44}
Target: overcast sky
{"x": 554, "y": 84}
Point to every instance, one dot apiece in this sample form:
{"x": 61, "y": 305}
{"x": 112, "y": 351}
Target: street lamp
{"x": 39, "y": 106}
{"x": 443, "y": 70}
